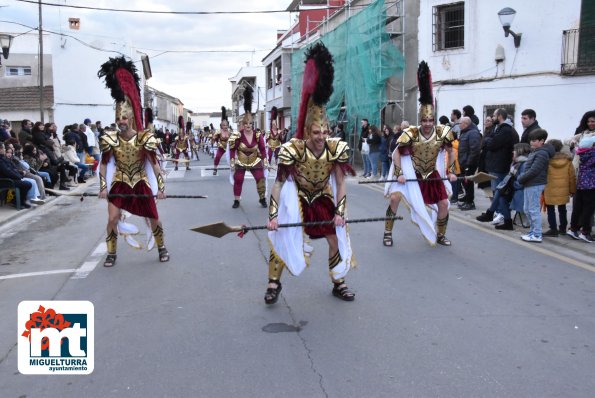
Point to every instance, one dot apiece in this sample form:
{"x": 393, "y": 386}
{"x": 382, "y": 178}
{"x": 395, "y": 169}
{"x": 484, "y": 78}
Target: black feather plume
{"x": 248, "y": 98}
{"x": 108, "y": 71}
{"x": 424, "y": 82}
{"x": 148, "y": 116}
{"x": 326, "y": 72}
{"x": 223, "y": 113}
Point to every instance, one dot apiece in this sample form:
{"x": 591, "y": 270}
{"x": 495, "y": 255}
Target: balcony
{"x": 578, "y": 51}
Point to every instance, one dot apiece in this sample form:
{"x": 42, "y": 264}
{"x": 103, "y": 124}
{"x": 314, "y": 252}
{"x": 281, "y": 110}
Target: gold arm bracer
{"x": 341, "y": 205}
{"x": 160, "y": 183}
{"x": 273, "y": 208}
{"x": 102, "y": 182}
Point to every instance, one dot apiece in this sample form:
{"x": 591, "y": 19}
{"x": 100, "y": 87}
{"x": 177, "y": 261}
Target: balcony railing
{"x": 578, "y": 51}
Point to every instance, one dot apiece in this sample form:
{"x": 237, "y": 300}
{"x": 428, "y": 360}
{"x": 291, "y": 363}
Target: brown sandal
{"x": 163, "y": 255}
{"x": 388, "y": 239}
{"x": 272, "y": 294}
{"x": 341, "y": 291}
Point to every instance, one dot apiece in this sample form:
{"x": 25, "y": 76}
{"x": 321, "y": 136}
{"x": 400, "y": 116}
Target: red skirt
{"x": 143, "y": 207}
{"x": 432, "y": 191}
{"x": 322, "y": 209}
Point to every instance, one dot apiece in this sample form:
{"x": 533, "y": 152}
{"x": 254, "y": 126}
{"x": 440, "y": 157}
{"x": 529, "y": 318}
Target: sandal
{"x": 272, "y": 294}
{"x": 163, "y": 255}
{"x": 110, "y": 260}
{"x": 341, "y": 291}
{"x": 442, "y": 240}
{"x": 215, "y": 172}
{"x": 388, "y": 239}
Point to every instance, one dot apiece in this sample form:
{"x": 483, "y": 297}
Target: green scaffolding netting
{"x": 364, "y": 58}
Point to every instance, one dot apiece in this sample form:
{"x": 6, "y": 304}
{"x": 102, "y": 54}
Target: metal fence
{"x": 578, "y": 51}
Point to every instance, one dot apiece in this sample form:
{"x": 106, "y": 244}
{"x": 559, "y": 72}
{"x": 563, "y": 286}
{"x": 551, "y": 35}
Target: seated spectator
{"x": 512, "y": 199}
{"x": 9, "y": 171}
{"x": 4, "y": 130}
{"x": 561, "y": 184}
{"x": 37, "y": 193}
{"x": 70, "y": 155}
{"x": 36, "y": 161}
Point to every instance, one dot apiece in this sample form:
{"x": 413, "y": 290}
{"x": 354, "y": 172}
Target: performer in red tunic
{"x": 221, "y": 138}
{"x": 182, "y": 144}
{"x": 129, "y": 159}
{"x": 247, "y": 152}
{"x": 422, "y": 154}
{"x": 310, "y": 186}
{"x": 274, "y": 137}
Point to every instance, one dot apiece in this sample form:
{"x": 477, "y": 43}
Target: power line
{"x": 170, "y": 12}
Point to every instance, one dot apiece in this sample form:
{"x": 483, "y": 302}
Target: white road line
{"x": 41, "y": 273}
{"x": 88, "y": 266}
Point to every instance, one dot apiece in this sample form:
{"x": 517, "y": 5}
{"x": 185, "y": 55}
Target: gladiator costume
{"x": 423, "y": 159}
{"x": 221, "y": 138}
{"x": 129, "y": 162}
{"x": 308, "y": 187}
{"x": 273, "y": 137}
{"x": 248, "y": 155}
{"x": 182, "y": 144}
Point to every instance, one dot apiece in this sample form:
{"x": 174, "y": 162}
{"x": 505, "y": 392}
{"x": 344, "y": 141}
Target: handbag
{"x": 506, "y": 186}
{"x": 365, "y": 148}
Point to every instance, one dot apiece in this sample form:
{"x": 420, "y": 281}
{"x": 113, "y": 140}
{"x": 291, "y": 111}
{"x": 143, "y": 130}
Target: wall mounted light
{"x": 5, "y": 42}
{"x": 506, "y": 16}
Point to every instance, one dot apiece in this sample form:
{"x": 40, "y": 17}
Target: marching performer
{"x": 220, "y": 138}
{"x": 310, "y": 186}
{"x": 247, "y": 152}
{"x": 129, "y": 159}
{"x": 274, "y": 137}
{"x": 422, "y": 153}
{"x": 182, "y": 144}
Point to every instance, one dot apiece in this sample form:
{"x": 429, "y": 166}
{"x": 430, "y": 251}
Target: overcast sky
{"x": 199, "y": 80}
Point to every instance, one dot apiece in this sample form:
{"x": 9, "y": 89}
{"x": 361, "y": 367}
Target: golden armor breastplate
{"x": 182, "y": 144}
{"x": 247, "y": 157}
{"x": 222, "y": 143}
{"x": 313, "y": 176}
{"x": 424, "y": 154}
{"x": 130, "y": 167}
{"x": 274, "y": 141}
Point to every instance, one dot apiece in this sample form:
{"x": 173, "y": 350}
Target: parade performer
{"x": 310, "y": 186}
{"x": 274, "y": 137}
{"x": 129, "y": 159}
{"x": 193, "y": 139}
{"x": 182, "y": 144}
{"x": 221, "y": 138}
{"x": 424, "y": 153}
{"x": 247, "y": 152}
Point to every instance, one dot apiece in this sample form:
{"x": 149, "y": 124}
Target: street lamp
{"x": 5, "y": 42}
{"x": 506, "y": 16}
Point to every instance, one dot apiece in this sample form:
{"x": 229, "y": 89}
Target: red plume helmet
{"x": 181, "y": 123}
{"x": 122, "y": 79}
{"x": 274, "y": 115}
{"x": 317, "y": 87}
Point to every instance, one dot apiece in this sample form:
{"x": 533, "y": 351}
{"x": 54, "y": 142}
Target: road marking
{"x": 41, "y": 273}
{"x": 533, "y": 246}
{"x": 88, "y": 266}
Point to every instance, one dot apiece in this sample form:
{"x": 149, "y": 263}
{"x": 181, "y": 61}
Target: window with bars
{"x": 449, "y": 26}
{"x": 18, "y": 71}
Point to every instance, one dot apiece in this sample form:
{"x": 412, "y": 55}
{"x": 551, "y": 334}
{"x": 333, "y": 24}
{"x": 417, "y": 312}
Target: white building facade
{"x": 473, "y": 63}
{"x": 253, "y": 76}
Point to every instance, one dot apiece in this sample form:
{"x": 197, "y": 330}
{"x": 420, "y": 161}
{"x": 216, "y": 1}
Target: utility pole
{"x": 41, "y": 116}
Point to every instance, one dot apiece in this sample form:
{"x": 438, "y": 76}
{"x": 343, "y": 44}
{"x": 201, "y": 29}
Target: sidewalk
{"x": 9, "y": 213}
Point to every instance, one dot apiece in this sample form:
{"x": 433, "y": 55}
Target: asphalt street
{"x": 490, "y": 316}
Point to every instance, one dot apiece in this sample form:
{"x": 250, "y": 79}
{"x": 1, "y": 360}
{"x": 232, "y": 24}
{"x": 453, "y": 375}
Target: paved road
{"x": 490, "y": 316}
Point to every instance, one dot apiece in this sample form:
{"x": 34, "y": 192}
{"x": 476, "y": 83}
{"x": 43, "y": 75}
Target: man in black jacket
{"x": 7, "y": 170}
{"x": 469, "y": 149}
{"x": 529, "y": 124}
{"x": 498, "y": 159}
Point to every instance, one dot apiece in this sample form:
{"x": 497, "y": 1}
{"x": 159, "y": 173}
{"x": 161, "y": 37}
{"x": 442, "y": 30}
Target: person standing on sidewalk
{"x": 469, "y": 149}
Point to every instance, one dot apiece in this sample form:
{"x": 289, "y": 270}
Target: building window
{"x": 278, "y": 73}
{"x": 18, "y": 71}
{"x": 488, "y": 110}
{"x": 270, "y": 76}
{"x": 449, "y": 26}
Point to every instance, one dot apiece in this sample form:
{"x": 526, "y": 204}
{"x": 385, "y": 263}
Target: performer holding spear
{"x": 129, "y": 163}
{"x": 421, "y": 155}
{"x": 311, "y": 184}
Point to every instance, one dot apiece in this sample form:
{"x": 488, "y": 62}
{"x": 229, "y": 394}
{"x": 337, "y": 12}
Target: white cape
{"x": 288, "y": 243}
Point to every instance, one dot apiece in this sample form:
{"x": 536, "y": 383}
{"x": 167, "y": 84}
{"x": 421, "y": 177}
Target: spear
{"x": 121, "y": 195}
{"x": 221, "y": 229}
{"x": 477, "y": 178}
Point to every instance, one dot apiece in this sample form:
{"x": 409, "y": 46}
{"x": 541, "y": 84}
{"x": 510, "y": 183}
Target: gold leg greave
{"x": 112, "y": 242}
{"x": 388, "y": 224}
{"x": 158, "y": 234}
{"x": 441, "y": 224}
{"x": 261, "y": 188}
{"x": 275, "y": 267}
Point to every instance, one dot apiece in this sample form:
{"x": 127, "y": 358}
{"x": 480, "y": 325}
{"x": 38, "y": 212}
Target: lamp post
{"x": 506, "y": 16}
{"x": 5, "y": 42}
{"x": 41, "y": 116}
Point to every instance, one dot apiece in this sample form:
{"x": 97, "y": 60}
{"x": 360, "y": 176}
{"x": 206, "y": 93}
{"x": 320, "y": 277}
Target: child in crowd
{"x": 561, "y": 183}
{"x": 534, "y": 179}
{"x": 515, "y": 198}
